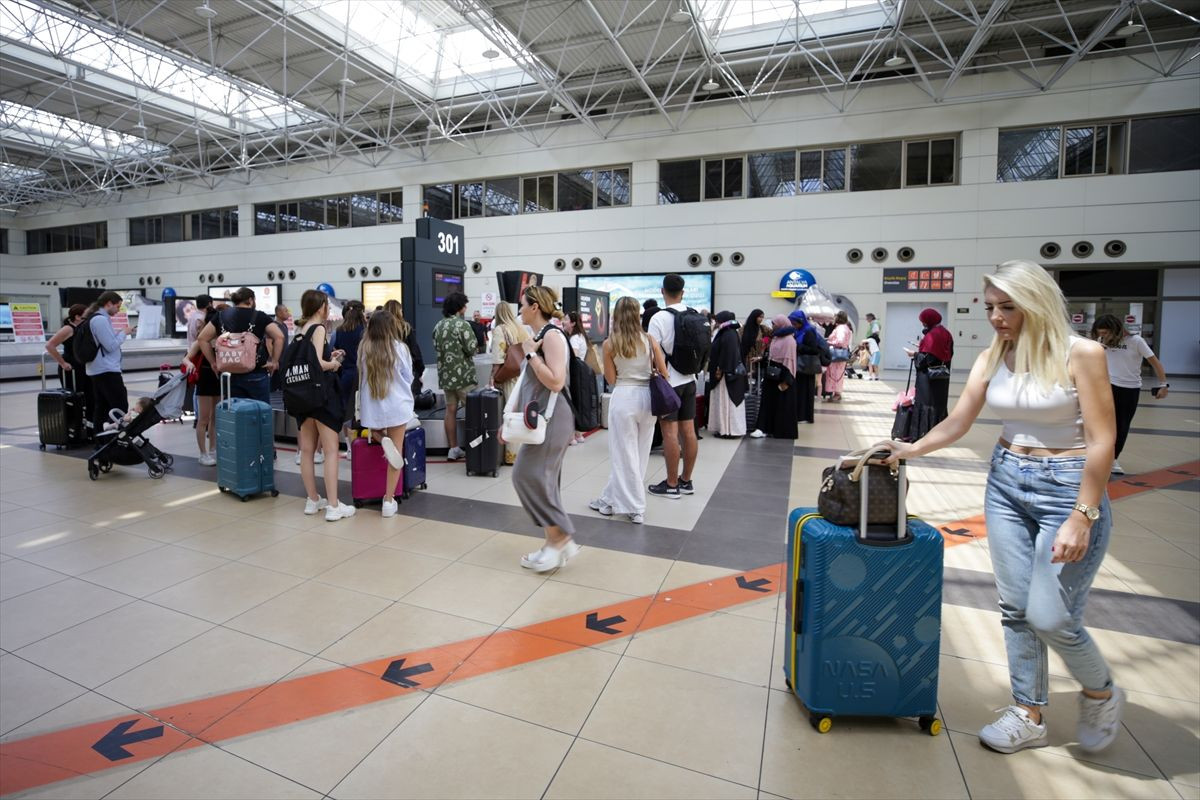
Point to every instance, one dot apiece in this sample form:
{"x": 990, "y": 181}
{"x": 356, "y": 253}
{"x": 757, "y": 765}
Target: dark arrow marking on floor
{"x": 755, "y": 585}
{"x": 594, "y": 623}
{"x": 958, "y": 531}
{"x": 401, "y": 675}
{"x": 112, "y": 744}
{"x": 1180, "y": 471}
{"x": 1136, "y": 483}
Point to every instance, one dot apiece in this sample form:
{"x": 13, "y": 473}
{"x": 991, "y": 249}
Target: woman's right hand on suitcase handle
{"x": 898, "y": 451}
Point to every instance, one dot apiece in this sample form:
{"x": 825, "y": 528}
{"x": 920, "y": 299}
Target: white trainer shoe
{"x": 392, "y": 453}
{"x": 636, "y": 519}
{"x": 1117, "y": 469}
{"x": 340, "y": 511}
{"x": 208, "y": 460}
{"x": 600, "y": 507}
{"x": 455, "y": 453}
{"x": 1014, "y": 730}
{"x": 390, "y": 508}
{"x": 549, "y": 557}
{"x": 297, "y": 458}
{"x": 313, "y": 506}
{"x": 1099, "y": 720}
{"x": 757, "y": 434}
{"x": 319, "y": 457}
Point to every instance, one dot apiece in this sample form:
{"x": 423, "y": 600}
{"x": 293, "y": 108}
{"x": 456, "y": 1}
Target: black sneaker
{"x": 685, "y": 487}
{"x": 661, "y": 489}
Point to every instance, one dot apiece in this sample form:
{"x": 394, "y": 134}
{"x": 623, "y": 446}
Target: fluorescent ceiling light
{"x": 346, "y": 83}
{"x": 557, "y": 108}
{"x": 896, "y": 61}
{"x": 710, "y": 85}
{"x": 491, "y": 54}
{"x": 681, "y": 15}
{"x": 1129, "y": 29}
{"x": 206, "y": 11}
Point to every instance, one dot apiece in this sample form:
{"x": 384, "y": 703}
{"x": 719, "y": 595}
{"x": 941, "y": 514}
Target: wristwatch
{"x": 1091, "y": 512}
{"x": 529, "y": 356}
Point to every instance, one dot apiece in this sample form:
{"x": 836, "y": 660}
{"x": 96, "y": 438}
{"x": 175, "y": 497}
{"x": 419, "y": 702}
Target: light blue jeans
{"x": 1028, "y": 498}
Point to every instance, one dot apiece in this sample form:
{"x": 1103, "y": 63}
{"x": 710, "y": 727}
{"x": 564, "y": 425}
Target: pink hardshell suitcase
{"x": 368, "y": 472}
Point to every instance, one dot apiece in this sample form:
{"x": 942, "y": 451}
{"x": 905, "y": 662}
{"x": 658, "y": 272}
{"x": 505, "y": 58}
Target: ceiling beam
{"x": 628, "y": 62}
{"x": 982, "y": 33}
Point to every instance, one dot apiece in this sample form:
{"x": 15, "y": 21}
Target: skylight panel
{"x": 11, "y": 174}
{"x": 738, "y": 24}
{"x": 51, "y": 132}
{"x": 60, "y": 36}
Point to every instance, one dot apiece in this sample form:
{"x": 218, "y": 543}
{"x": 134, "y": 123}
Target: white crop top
{"x": 1032, "y": 417}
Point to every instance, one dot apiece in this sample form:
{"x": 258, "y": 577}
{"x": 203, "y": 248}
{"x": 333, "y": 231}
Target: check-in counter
{"x": 24, "y": 360}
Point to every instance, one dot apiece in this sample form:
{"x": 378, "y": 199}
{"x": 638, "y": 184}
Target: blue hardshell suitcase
{"x": 414, "y": 460}
{"x": 245, "y": 445}
{"x": 863, "y": 620}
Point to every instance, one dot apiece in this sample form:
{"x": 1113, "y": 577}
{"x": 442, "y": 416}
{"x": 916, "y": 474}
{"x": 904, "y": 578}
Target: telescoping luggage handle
{"x": 226, "y": 386}
{"x": 856, "y": 475}
{"x": 66, "y": 373}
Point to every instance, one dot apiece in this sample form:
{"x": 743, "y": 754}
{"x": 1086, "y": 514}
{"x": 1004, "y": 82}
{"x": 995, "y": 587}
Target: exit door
{"x": 903, "y": 329}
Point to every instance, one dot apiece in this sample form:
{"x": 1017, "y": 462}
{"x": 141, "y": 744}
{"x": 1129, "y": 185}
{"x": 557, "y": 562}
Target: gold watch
{"x": 1091, "y": 512}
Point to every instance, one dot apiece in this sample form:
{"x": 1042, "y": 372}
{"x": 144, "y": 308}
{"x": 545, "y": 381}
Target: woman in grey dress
{"x": 537, "y": 474}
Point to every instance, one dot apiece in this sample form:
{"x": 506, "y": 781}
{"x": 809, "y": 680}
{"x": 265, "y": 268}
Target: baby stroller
{"x": 127, "y": 445}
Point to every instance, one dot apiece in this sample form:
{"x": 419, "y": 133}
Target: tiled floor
{"x": 130, "y": 595}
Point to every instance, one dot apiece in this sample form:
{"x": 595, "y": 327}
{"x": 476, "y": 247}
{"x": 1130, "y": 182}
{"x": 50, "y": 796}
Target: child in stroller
{"x": 126, "y": 443}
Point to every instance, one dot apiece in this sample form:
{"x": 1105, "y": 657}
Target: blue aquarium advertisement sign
{"x": 795, "y": 283}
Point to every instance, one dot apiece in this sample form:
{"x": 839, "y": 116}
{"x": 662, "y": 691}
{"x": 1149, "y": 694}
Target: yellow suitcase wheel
{"x": 821, "y": 724}
{"x": 931, "y": 725}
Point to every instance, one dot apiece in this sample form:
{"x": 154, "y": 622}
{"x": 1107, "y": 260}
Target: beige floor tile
{"x": 100, "y": 649}
{"x": 310, "y": 617}
{"x": 89, "y": 787}
{"x": 27, "y": 691}
{"x": 221, "y": 774}
{"x": 598, "y": 772}
{"x": 1159, "y": 580}
{"x": 684, "y": 573}
{"x": 1186, "y": 791}
{"x": 555, "y": 692}
{"x": 154, "y": 570}
{"x": 46, "y": 611}
{"x": 18, "y": 577}
{"x": 737, "y": 648}
{"x": 1041, "y": 774}
{"x": 1175, "y": 670}
{"x": 554, "y": 599}
{"x": 503, "y": 551}
{"x": 45, "y": 537}
{"x": 87, "y": 708}
{"x": 1169, "y": 730}
{"x": 973, "y": 633}
{"x": 478, "y": 593}
{"x": 92, "y": 552}
{"x": 217, "y": 662}
{"x": 20, "y": 518}
{"x": 614, "y": 571}
{"x": 175, "y": 525}
{"x": 402, "y": 629}
{"x": 453, "y": 750}
{"x": 289, "y": 516}
{"x": 305, "y": 554}
{"x": 696, "y": 721}
{"x": 384, "y": 571}
{"x": 239, "y": 541}
{"x": 1147, "y": 551}
{"x": 366, "y": 526}
{"x": 224, "y": 592}
{"x": 858, "y": 758}
{"x": 439, "y": 539}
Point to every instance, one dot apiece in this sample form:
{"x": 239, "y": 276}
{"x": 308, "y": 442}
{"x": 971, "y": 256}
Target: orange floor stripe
{"x": 94, "y": 747}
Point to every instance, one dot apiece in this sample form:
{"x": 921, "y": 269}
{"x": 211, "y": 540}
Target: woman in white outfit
{"x": 385, "y": 398}
{"x": 506, "y": 333}
{"x": 628, "y": 354}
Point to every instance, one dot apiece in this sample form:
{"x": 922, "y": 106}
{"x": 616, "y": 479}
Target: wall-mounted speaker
{"x": 89, "y": 282}
{"x": 738, "y": 258}
{"x": 376, "y": 270}
{"x": 1051, "y": 250}
{"x": 350, "y": 272}
{"x": 716, "y": 259}
{"x": 363, "y": 272}
{"x": 220, "y": 277}
{"x": 595, "y": 263}
{"x": 906, "y": 254}
{"x": 695, "y": 260}
{"x": 141, "y": 281}
{"x": 158, "y": 280}
{"x": 577, "y": 263}
{"x": 560, "y": 264}
{"x": 291, "y": 274}
{"x": 1082, "y": 249}
{"x": 271, "y": 275}
{"x": 212, "y": 278}
{"x": 879, "y": 254}
{"x": 1114, "y": 248}
{"x": 104, "y": 281}
{"x": 476, "y": 267}
{"x": 854, "y": 255}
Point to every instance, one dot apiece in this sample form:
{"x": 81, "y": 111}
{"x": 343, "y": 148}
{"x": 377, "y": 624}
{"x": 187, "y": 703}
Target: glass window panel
{"x": 501, "y": 197}
{"x": 941, "y": 161}
{"x": 172, "y": 228}
{"x": 916, "y": 164}
{"x": 772, "y": 174}
{"x": 391, "y": 207}
{"x": 714, "y": 172}
{"x": 191, "y": 226}
{"x": 363, "y": 210}
{"x": 620, "y": 187}
{"x": 101, "y": 234}
{"x": 1029, "y": 154}
{"x": 679, "y": 181}
{"x": 137, "y": 231}
{"x": 834, "y": 177}
{"x": 229, "y": 222}
{"x": 875, "y": 165}
{"x": 575, "y": 190}
{"x": 154, "y": 230}
{"x": 1101, "y": 151}
{"x": 733, "y": 177}
{"x": 87, "y": 237}
{"x": 470, "y": 199}
{"x": 337, "y": 212}
{"x": 312, "y": 214}
{"x": 439, "y": 201}
{"x": 264, "y": 218}
{"x": 289, "y": 217}
{"x": 546, "y": 192}
{"x": 210, "y": 224}
{"x": 1077, "y": 154}
{"x": 1164, "y": 144}
{"x": 810, "y": 171}
{"x": 1115, "y": 157}
{"x": 529, "y": 193}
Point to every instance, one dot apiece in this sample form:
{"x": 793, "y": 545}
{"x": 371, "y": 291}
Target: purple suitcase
{"x": 368, "y": 472}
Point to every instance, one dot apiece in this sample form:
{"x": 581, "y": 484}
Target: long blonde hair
{"x": 402, "y": 327}
{"x": 626, "y": 335}
{"x": 506, "y": 320}
{"x": 1044, "y": 343}
{"x": 377, "y": 354}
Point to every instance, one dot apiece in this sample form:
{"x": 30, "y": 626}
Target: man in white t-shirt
{"x": 662, "y": 330}
{"x": 1125, "y": 352}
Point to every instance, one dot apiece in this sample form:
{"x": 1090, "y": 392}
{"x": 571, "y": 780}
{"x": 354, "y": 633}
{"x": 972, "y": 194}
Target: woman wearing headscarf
{"x": 726, "y": 388}
{"x": 933, "y": 365}
{"x": 777, "y": 415}
{"x": 810, "y": 344}
{"x": 835, "y": 374}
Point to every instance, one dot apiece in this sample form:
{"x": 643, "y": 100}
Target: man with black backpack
{"x": 98, "y": 345}
{"x": 685, "y": 338}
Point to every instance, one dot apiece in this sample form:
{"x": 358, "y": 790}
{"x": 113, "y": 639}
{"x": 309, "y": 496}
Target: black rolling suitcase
{"x": 62, "y": 416}
{"x": 485, "y": 453}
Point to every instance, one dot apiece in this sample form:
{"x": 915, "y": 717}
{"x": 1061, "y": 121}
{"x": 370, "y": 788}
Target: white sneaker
{"x": 297, "y": 458}
{"x": 1014, "y": 731}
{"x": 636, "y": 519}
{"x": 1099, "y": 721}
{"x": 549, "y": 557}
{"x": 319, "y": 457}
{"x": 340, "y": 511}
{"x": 393, "y": 455}
{"x": 208, "y": 460}
{"x": 757, "y": 434}
{"x": 390, "y": 507}
{"x": 1117, "y": 469}
{"x": 313, "y": 506}
{"x": 455, "y": 453}
{"x": 602, "y": 508}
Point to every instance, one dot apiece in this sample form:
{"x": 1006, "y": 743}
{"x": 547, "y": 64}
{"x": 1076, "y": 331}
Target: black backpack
{"x": 581, "y": 389}
{"x": 84, "y": 347}
{"x": 305, "y": 384}
{"x": 693, "y": 339}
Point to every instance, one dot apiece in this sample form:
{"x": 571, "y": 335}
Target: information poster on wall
{"x": 150, "y": 320}
{"x": 27, "y": 322}
{"x": 487, "y": 304}
{"x": 937, "y": 279}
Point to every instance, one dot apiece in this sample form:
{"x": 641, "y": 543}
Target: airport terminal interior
{"x": 162, "y": 637}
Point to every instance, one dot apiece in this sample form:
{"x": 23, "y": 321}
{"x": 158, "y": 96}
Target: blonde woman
{"x": 410, "y": 340}
{"x": 385, "y": 398}
{"x": 629, "y": 355}
{"x": 506, "y": 332}
{"x": 1048, "y": 519}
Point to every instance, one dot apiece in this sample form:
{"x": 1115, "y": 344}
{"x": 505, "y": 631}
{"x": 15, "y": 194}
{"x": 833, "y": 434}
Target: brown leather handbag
{"x": 514, "y": 359}
{"x": 843, "y": 501}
